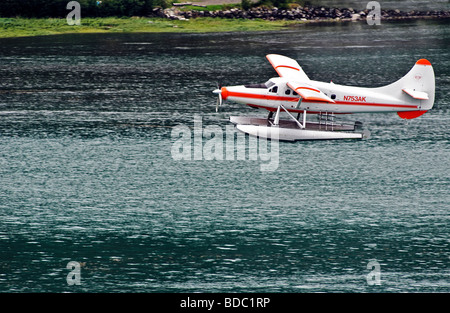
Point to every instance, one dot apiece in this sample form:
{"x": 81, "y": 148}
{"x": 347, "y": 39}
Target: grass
{"x": 20, "y": 27}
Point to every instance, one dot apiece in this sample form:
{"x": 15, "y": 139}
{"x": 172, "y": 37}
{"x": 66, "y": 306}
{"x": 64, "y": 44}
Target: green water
{"x": 87, "y": 173}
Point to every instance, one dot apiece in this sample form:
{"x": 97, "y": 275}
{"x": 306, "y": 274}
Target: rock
{"x": 295, "y": 13}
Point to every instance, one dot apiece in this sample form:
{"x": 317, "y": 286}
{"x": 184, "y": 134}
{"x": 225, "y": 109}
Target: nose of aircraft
{"x": 222, "y": 93}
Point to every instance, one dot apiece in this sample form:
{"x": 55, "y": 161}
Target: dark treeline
{"x": 89, "y": 8}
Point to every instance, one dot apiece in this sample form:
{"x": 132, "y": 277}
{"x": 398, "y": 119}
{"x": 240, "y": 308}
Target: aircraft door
{"x": 290, "y": 98}
{"x": 273, "y": 95}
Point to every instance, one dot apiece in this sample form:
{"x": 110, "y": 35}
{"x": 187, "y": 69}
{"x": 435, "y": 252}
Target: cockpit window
{"x": 263, "y": 86}
{"x": 269, "y": 84}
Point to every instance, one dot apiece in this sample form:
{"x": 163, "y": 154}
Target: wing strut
{"x": 276, "y": 120}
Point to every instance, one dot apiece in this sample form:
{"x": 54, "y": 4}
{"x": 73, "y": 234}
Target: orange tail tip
{"x": 408, "y": 115}
{"x": 423, "y": 62}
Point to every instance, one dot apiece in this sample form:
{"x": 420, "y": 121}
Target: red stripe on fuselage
{"x": 256, "y": 96}
{"x": 376, "y": 104}
{"x": 295, "y": 99}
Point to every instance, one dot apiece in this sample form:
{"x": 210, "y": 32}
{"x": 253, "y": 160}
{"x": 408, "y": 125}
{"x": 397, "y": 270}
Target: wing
{"x": 308, "y": 92}
{"x": 287, "y": 67}
{"x": 297, "y": 79}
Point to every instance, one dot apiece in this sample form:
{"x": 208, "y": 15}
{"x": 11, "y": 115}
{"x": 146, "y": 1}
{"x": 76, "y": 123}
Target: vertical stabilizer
{"x": 416, "y": 88}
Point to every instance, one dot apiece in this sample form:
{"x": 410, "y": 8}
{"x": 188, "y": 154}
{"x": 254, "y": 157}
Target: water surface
{"x": 87, "y": 173}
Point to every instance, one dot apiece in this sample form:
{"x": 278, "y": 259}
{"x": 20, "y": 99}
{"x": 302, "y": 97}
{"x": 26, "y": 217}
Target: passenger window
{"x": 295, "y": 94}
{"x": 287, "y": 92}
{"x": 333, "y": 96}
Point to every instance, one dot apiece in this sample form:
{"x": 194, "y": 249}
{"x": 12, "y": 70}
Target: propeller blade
{"x": 218, "y": 92}
{"x": 219, "y": 102}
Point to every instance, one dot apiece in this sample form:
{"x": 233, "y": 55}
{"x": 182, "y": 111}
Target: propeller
{"x": 218, "y": 92}
{"x": 219, "y": 102}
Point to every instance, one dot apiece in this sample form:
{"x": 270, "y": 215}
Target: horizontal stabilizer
{"x": 309, "y": 93}
{"x": 420, "y": 95}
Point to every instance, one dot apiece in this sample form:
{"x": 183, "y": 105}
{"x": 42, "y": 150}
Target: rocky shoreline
{"x": 298, "y": 13}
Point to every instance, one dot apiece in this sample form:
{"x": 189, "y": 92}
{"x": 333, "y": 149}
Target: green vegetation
{"x": 282, "y": 4}
{"x": 89, "y": 8}
{"x": 19, "y": 27}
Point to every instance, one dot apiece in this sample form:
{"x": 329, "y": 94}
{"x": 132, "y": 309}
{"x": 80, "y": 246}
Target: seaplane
{"x": 293, "y": 93}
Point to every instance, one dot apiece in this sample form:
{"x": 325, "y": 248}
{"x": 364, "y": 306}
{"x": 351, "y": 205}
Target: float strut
{"x": 304, "y": 118}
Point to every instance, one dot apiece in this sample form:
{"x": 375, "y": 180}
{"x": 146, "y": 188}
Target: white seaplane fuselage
{"x": 347, "y": 99}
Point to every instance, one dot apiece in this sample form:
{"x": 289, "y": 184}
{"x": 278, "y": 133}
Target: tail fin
{"x": 416, "y": 87}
